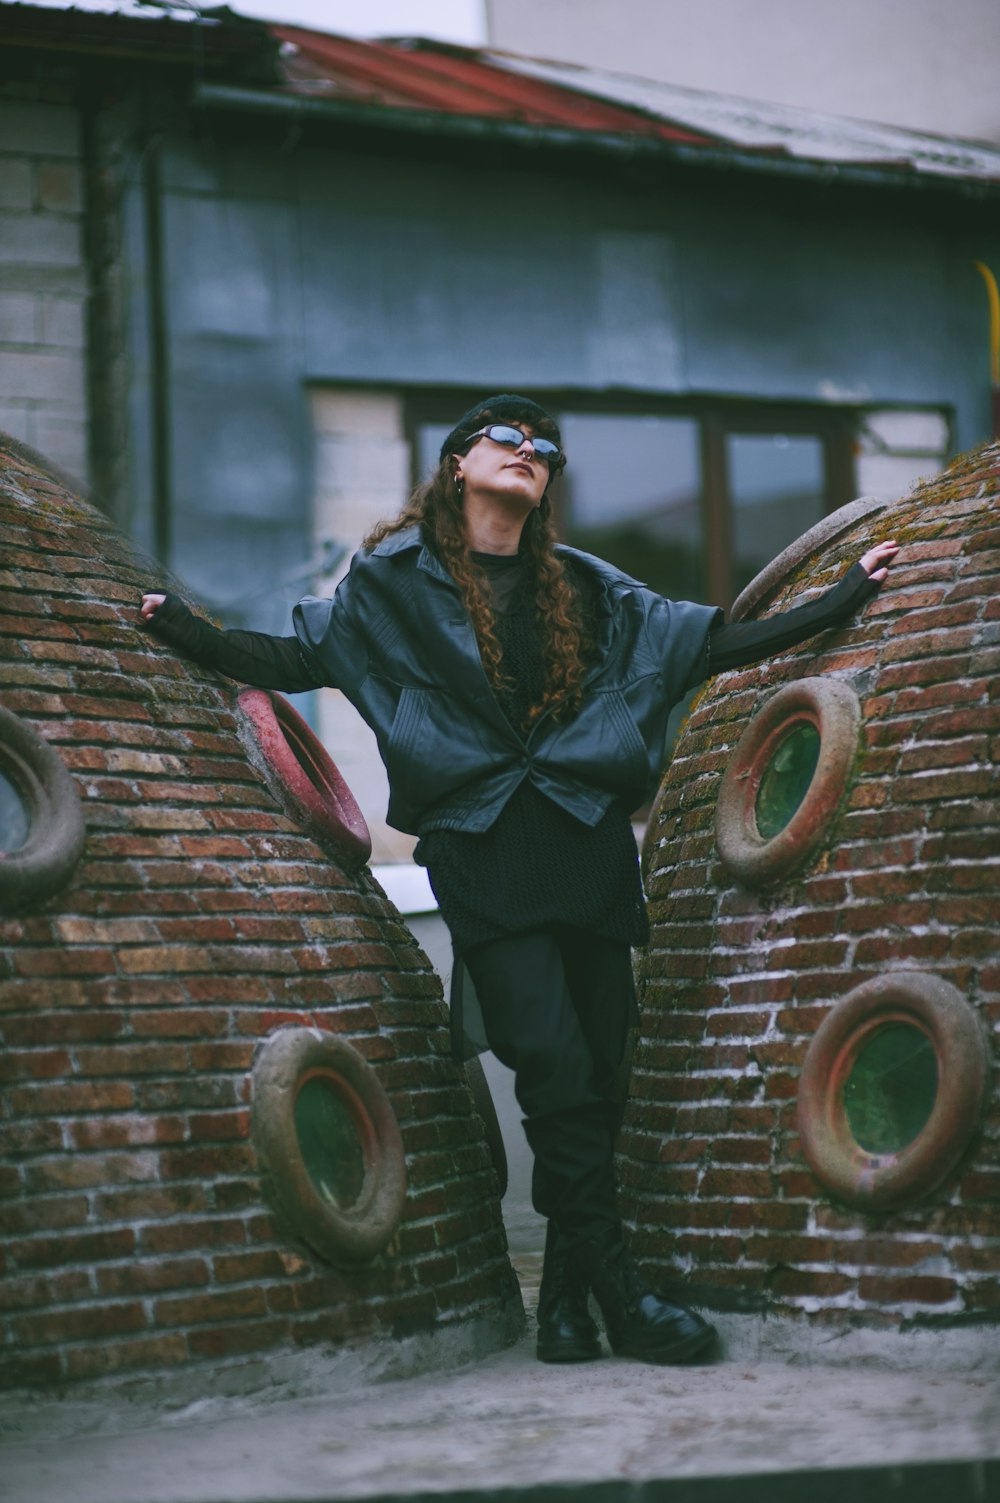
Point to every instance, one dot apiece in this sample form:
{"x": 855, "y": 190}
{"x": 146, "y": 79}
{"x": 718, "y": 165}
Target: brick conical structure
{"x": 836, "y": 1178}
{"x": 199, "y": 920}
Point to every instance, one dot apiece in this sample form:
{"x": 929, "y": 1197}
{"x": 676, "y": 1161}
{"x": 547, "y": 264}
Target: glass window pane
{"x": 631, "y": 493}
{"x": 890, "y": 1093}
{"x": 329, "y": 1142}
{"x": 777, "y": 491}
{"x": 15, "y": 823}
{"x": 786, "y": 780}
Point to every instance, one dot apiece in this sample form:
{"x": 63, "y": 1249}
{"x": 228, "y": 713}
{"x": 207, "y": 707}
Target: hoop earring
{"x": 459, "y": 483}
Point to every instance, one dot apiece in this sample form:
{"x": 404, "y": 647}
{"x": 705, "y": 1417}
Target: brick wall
{"x": 43, "y": 281}
{"x": 736, "y": 982}
{"x": 199, "y": 919}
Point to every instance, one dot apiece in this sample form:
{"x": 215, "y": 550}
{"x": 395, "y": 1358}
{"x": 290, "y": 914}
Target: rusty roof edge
{"x": 415, "y": 121}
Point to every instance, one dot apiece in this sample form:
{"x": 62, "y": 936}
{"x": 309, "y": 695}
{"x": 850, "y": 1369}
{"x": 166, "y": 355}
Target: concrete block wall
{"x": 43, "y": 281}
{"x": 736, "y": 981}
{"x": 201, "y": 917}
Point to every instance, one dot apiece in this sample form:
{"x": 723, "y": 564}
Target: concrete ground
{"x": 508, "y": 1426}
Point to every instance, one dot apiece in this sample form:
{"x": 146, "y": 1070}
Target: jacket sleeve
{"x": 250, "y": 657}
{"x": 737, "y": 644}
{"x": 333, "y": 635}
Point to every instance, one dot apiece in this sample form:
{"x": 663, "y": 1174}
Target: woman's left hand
{"x": 877, "y": 560}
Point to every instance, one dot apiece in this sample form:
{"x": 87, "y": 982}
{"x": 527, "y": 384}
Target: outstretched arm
{"x": 740, "y": 643}
{"x": 250, "y": 657}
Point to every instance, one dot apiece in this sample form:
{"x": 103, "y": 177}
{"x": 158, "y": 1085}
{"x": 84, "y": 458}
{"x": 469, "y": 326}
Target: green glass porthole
{"x": 890, "y": 1092}
{"x": 786, "y": 779}
{"x": 331, "y": 1154}
{"x": 15, "y": 820}
{"x": 328, "y": 1142}
{"x": 892, "y": 1089}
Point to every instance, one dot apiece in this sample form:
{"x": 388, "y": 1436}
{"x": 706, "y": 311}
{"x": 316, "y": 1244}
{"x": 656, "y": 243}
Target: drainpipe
{"x": 159, "y": 374}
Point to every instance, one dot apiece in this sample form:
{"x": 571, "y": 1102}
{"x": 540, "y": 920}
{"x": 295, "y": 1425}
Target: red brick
{"x": 213, "y": 1305}
{"x": 88, "y": 1171}
{"x": 736, "y": 1183}
{"x": 179, "y": 1023}
{"x": 80, "y": 1324}
{"x": 126, "y": 1131}
{"x": 44, "y": 1290}
{"x": 87, "y": 1247}
{"x": 44, "y": 1213}
{"x": 235, "y": 1340}
{"x": 150, "y": 1202}
{"x": 116, "y": 1356}
{"x": 797, "y": 1283}
{"x": 191, "y": 1236}
{"x": 134, "y": 1059}
{"x": 207, "y": 1163}
{"x": 909, "y": 1289}
{"x": 255, "y": 1267}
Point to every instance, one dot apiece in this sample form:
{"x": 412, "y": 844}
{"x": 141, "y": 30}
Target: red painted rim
{"x": 306, "y": 777}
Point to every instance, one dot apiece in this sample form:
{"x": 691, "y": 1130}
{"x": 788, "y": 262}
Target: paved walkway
{"x": 745, "y": 1428}
{"x": 508, "y": 1422}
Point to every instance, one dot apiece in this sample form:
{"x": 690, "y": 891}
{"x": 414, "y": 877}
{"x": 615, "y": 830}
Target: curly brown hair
{"x": 436, "y": 506}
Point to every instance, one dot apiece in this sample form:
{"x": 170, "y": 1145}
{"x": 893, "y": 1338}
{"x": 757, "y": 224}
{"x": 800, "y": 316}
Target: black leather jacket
{"x": 397, "y": 641}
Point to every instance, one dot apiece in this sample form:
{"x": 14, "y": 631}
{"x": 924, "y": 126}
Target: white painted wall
{"x": 926, "y": 65}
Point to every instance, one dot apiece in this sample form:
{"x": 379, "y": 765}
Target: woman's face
{"x": 497, "y": 471}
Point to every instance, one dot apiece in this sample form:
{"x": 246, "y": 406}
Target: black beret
{"x": 505, "y": 408}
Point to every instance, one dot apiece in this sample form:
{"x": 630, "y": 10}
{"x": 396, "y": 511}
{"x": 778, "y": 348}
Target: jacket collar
{"x": 409, "y": 538}
{"x": 608, "y": 576}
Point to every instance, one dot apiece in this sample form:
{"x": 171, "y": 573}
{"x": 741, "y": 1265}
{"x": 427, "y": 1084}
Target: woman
{"x": 519, "y": 692}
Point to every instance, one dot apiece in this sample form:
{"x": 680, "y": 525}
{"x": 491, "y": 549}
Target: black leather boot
{"x": 638, "y": 1322}
{"x": 566, "y": 1331}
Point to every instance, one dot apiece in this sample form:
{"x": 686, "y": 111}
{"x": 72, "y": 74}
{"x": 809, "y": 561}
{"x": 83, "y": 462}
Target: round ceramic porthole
{"x": 819, "y": 538}
{"x": 330, "y": 1149}
{"x": 305, "y": 777}
{"x": 892, "y": 1090}
{"x": 786, "y": 779}
{"x": 41, "y": 820}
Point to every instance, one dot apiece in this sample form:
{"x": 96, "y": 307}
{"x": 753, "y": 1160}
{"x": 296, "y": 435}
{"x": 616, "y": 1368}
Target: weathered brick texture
{"x": 736, "y": 982}
{"x": 199, "y": 919}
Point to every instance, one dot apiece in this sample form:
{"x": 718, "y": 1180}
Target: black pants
{"x": 557, "y": 1004}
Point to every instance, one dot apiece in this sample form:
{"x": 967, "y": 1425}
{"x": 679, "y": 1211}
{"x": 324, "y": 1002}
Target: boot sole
{"x": 569, "y": 1351}
{"x": 677, "y": 1351}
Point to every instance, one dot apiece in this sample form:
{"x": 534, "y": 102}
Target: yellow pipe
{"x": 994, "y": 300}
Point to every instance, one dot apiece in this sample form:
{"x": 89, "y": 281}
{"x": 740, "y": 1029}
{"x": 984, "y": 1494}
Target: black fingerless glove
{"x": 179, "y": 627}
{"x": 249, "y": 657}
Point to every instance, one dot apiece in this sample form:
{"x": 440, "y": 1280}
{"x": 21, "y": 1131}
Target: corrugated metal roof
{"x": 453, "y": 80}
{"x": 747, "y": 124}
{"x": 436, "y": 77}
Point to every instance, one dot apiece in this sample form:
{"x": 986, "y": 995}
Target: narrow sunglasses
{"x": 513, "y": 438}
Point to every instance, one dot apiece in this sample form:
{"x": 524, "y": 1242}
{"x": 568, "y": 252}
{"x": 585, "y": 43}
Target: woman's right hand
{"x": 150, "y": 605}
